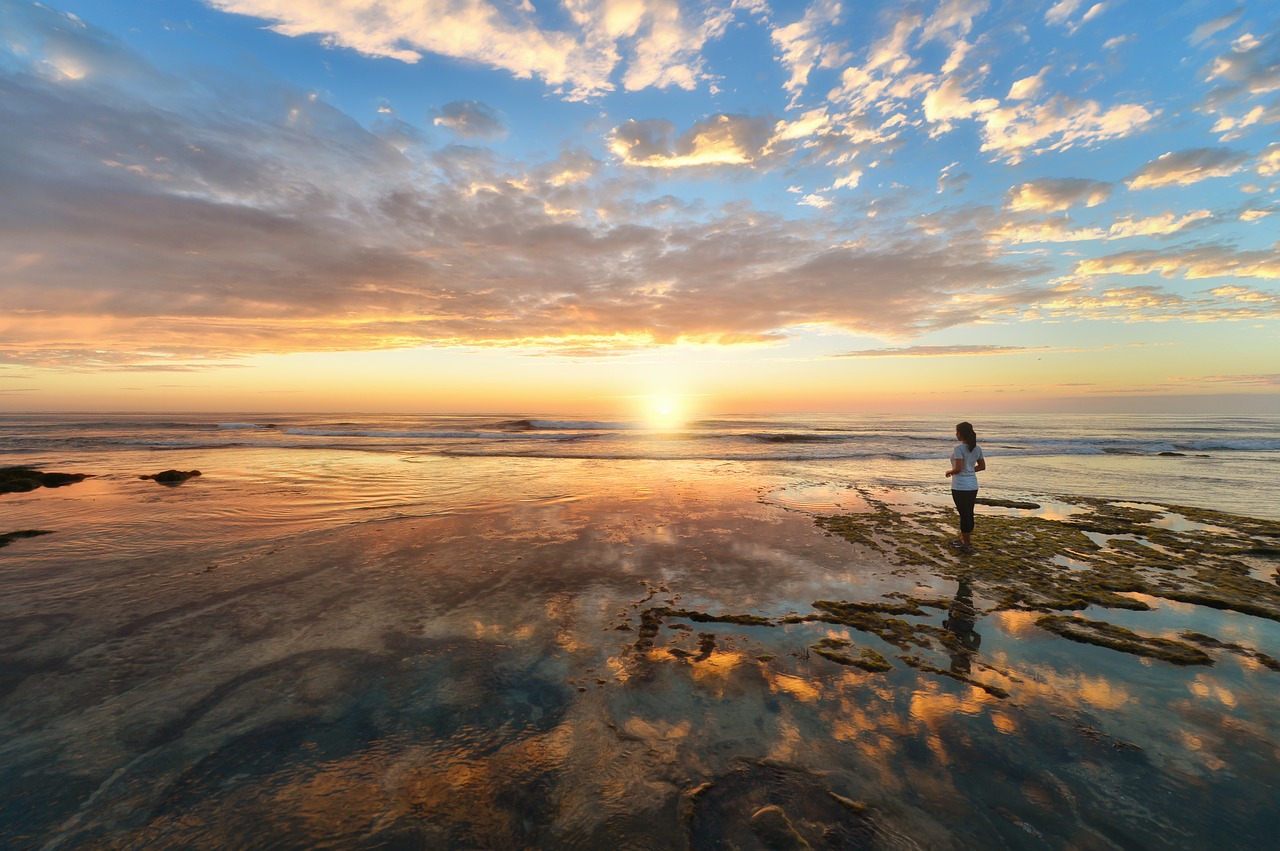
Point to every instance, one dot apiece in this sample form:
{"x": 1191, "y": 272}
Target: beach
{"x": 579, "y": 634}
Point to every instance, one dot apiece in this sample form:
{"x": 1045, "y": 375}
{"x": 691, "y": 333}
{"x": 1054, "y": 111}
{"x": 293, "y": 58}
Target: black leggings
{"x": 964, "y": 501}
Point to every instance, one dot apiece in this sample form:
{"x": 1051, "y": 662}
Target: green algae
{"x": 868, "y": 659}
{"x": 1118, "y": 638}
{"x": 7, "y": 538}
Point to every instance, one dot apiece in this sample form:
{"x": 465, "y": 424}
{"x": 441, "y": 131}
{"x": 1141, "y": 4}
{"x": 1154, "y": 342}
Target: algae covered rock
{"x": 172, "y": 477}
{"x": 1118, "y": 638}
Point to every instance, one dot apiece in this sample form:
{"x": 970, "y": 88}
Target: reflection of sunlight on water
{"x": 717, "y": 669}
{"x": 931, "y": 706}
{"x": 1204, "y": 687}
{"x": 1017, "y": 624}
{"x": 822, "y": 497}
{"x": 1065, "y": 688}
{"x": 800, "y": 688}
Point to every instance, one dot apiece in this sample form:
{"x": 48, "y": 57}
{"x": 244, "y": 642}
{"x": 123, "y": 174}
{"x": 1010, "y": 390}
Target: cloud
{"x": 1057, "y": 125}
{"x": 1027, "y": 87}
{"x": 1189, "y": 263}
{"x": 1153, "y": 304}
{"x": 470, "y": 119}
{"x": 719, "y": 140}
{"x": 1047, "y": 230}
{"x": 1271, "y": 379}
{"x": 948, "y": 102}
{"x": 802, "y": 46}
{"x": 660, "y": 40}
{"x": 1212, "y": 27}
{"x": 1186, "y": 167}
{"x": 1162, "y": 225}
{"x": 1250, "y": 67}
{"x": 1055, "y": 195}
{"x": 158, "y": 221}
{"x": 938, "y": 351}
{"x": 1060, "y": 14}
{"x": 1269, "y": 160}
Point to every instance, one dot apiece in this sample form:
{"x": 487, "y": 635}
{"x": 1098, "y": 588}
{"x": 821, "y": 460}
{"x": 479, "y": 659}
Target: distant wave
{"x": 775, "y": 437}
{"x": 576, "y": 425}
{"x": 236, "y": 426}
{"x": 432, "y": 435}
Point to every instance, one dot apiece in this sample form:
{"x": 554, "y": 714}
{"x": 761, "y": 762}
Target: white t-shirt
{"x": 966, "y": 479}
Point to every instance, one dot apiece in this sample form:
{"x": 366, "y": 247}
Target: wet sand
{"x": 643, "y": 663}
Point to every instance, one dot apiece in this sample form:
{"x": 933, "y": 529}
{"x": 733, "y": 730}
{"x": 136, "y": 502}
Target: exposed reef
{"x": 1103, "y": 554}
{"x": 24, "y": 479}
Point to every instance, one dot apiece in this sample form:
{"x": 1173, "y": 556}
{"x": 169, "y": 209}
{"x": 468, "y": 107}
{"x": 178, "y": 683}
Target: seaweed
{"x": 1118, "y": 638}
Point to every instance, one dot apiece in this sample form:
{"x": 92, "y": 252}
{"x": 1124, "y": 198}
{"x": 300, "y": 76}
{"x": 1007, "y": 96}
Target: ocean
{"x": 519, "y": 631}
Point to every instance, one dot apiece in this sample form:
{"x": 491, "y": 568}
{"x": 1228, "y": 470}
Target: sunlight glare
{"x": 664, "y": 413}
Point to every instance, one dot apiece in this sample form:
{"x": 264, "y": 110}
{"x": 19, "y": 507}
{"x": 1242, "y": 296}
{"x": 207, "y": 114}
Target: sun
{"x": 664, "y": 412}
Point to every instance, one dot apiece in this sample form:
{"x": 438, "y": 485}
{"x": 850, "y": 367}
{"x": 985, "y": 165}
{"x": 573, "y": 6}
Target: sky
{"x": 597, "y": 206}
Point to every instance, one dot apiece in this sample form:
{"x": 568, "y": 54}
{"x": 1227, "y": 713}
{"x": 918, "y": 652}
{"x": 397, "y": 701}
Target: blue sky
{"x": 761, "y": 205}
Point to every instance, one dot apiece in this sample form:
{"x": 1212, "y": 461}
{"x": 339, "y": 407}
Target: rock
{"x": 1172, "y": 454}
{"x": 172, "y": 477}
{"x": 23, "y": 479}
{"x": 7, "y": 538}
{"x": 774, "y": 829}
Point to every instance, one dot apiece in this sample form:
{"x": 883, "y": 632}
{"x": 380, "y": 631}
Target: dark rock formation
{"x": 23, "y": 479}
{"x": 172, "y": 477}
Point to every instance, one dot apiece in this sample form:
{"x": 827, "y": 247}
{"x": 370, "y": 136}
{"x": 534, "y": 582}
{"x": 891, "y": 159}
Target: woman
{"x": 966, "y": 463}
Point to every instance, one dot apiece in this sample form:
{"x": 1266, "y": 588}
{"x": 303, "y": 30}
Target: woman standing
{"x": 966, "y": 463}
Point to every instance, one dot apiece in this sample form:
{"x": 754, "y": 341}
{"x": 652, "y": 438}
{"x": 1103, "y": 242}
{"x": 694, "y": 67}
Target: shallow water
{"x": 355, "y": 649}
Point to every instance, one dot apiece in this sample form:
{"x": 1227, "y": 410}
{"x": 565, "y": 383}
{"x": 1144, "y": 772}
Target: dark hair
{"x": 967, "y": 434}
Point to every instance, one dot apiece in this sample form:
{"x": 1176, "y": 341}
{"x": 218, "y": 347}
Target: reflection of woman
{"x": 961, "y": 617}
{"x": 966, "y": 463}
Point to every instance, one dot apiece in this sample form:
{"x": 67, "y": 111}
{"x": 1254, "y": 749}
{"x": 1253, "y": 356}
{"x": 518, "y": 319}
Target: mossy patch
{"x": 1118, "y": 638}
{"x": 1107, "y": 555}
{"x": 867, "y": 659}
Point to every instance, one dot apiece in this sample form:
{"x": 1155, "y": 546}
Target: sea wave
{"x": 560, "y": 425}
{"x": 432, "y": 435}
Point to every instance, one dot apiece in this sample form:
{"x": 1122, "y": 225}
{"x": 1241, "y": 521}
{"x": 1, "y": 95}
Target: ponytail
{"x": 968, "y": 435}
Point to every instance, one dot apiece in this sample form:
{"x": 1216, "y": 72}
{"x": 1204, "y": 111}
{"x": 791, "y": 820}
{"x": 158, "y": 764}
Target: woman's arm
{"x": 980, "y": 465}
{"x": 956, "y": 466}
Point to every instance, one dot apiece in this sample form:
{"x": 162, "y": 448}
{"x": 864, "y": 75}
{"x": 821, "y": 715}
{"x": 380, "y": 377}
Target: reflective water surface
{"x": 387, "y": 651}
